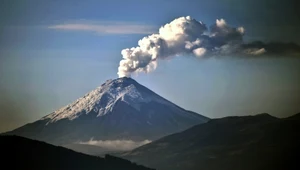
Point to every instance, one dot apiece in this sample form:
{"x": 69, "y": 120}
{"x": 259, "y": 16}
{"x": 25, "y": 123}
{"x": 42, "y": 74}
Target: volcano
{"x": 120, "y": 109}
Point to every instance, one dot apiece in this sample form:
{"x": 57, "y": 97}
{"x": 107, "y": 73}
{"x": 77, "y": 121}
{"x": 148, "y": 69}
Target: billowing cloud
{"x": 118, "y": 145}
{"x": 183, "y": 35}
{"x": 105, "y": 27}
{"x": 186, "y": 36}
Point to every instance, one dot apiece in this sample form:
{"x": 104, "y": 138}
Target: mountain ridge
{"x": 236, "y": 142}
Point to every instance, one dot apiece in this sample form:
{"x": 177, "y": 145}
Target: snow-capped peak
{"x": 102, "y": 99}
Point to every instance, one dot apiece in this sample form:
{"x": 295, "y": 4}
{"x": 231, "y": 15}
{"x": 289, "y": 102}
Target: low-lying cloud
{"x": 189, "y": 37}
{"x": 105, "y": 27}
{"x": 119, "y": 145}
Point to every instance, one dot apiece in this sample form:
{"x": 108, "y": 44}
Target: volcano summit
{"x": 119, "y": 109}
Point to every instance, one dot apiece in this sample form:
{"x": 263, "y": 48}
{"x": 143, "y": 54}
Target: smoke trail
{"x": 187, "y": 36}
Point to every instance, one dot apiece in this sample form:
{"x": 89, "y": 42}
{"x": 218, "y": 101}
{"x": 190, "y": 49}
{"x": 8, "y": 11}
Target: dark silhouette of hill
{"x": 295, "y": 117}
{"x": 258, "y": 142}
{"x": 22, "y": 153}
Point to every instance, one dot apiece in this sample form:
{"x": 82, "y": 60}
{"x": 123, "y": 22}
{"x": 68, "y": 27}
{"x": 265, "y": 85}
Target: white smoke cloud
{"x": 117, "y": 145}
{"x": 183, "y": 35}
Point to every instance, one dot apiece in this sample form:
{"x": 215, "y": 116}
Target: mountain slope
{"x": 251, "y": 142}
{"x": 22, "y": 153}
{"x": 117, "y": 110}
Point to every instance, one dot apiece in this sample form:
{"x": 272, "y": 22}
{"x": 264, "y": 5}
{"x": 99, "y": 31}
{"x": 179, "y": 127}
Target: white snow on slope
{"x": 103, "y": 99}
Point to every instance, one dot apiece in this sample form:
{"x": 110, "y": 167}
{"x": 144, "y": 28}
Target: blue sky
{"x": 52, "y": 52}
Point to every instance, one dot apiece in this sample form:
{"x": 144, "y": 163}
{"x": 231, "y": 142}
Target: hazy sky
{"x": 53, "y": 52}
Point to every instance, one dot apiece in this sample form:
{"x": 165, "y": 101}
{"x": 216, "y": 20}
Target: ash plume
{"x": 187, "y": 36}
{"x": 183, "y": 35}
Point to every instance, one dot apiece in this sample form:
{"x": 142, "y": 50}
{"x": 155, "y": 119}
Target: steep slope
{"x": 22, "y": 153}
{"x": 119, "y": 109}
{"x": 251, "y": 142}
